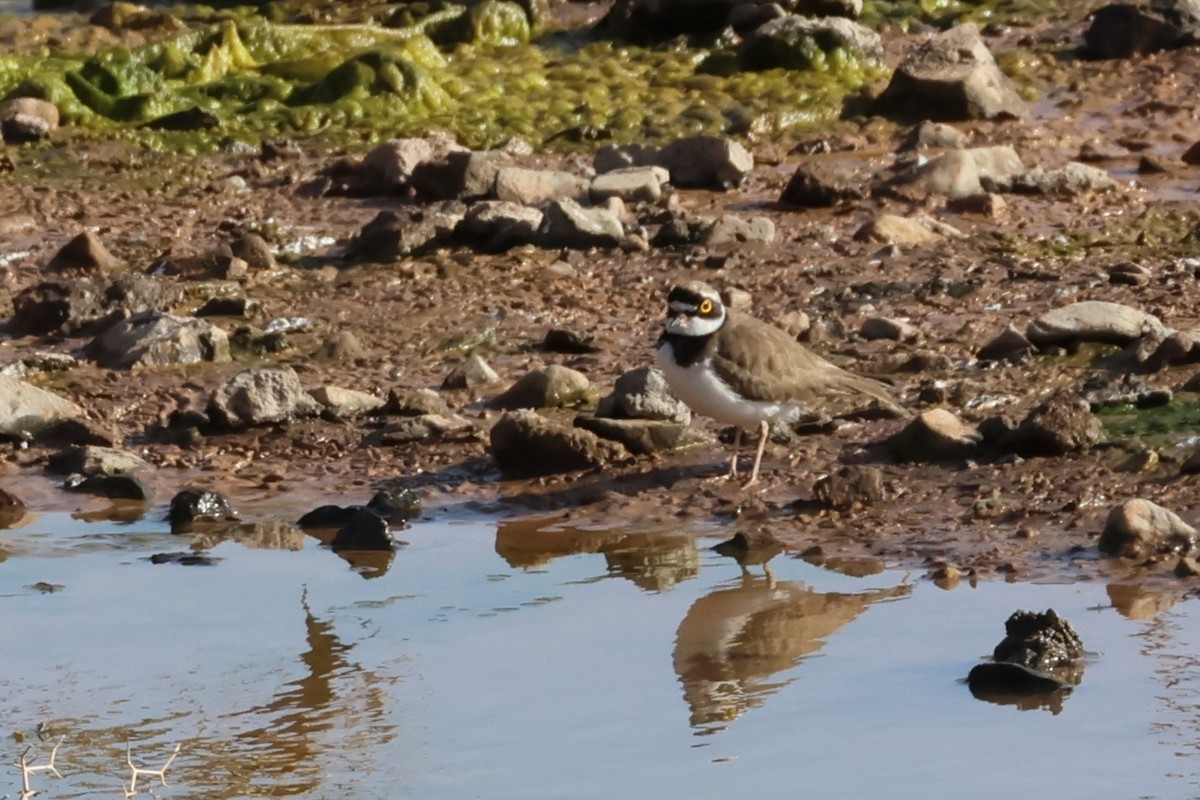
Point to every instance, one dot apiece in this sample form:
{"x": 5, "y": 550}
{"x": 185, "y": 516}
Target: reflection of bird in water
{"x": 735, "y": 639}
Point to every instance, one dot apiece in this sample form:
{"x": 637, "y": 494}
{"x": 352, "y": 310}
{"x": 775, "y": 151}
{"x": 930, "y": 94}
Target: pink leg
{"x": 764, "y": 430}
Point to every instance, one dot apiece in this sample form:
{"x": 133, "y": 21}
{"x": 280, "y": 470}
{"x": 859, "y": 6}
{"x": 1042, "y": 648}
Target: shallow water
{"x": 518, "y": 660}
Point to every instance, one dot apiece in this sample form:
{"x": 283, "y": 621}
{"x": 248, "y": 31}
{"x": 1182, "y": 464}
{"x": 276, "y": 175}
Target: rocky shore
{"x": 294, "y": 327}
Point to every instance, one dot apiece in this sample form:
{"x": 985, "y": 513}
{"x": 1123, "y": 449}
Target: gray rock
{"x": 568, "y": 224}
{"x": 819, "y": 184}
{"x": 732, "y": 229}
{"x": 630, "y": 184}
{"x": 952, "y": 76}
{"x": 261, "y": 397}
{"x": 644, "y": 436}
{"x": 1121, "y": 30}
{"x": 791, "y": 41}
{"x": 1139, "y": 528}
{"x": 75, "y": 305}
{"x": 154, "y": 338}
{"x": 525, "y": 443}
{"x": 897, "y": 330}
{"x": 1008, "y": 345}
{"x": 642, "y": 393}
{"x": 460, "y": 176}
{"x": 1106, "y": 389}
{"x": 905, "y": 231}
{"x": 90, "y": 461}
{"x": 26, "y": 409}
{"x": 366, "y": 530}
{"x": 423, "y": 428}
{"x": 84, "y": 253}
{"x": 1180, "y": 347}
{"x": 471, "y": 373}
{"x": 850, "y": 486}
{"x": 960, "y": 173}
{"x": 706, "y": 162}
{"x": 494, "y": 226}
{"x": 554, "y": 386}
{"x": 625, "y": 156}
{"x": 933, "y": 436}
{"x": 27, "y": 119}
{"x": 115, "y": 487}
{"x": 342, "y": 346}
{"x": 346, "y": 402}
{"x": 532, "y": 187}
{"x": 1093, "y": 321}
{"x": 1062, "y": 424}
{"x": 415, "y": 402}
{"x": 394, "y": 234}
{"x": 1066, "y": 181}
{"x": 389, "y": 167}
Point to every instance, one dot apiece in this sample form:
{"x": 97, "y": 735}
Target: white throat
{"x": 685, "y": 325}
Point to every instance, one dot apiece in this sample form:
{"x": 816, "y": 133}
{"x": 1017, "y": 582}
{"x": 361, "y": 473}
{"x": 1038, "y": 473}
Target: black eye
{"x": 706, "y": 306}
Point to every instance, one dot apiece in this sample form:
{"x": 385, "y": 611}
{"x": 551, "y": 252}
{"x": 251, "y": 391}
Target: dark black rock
{"x": 1005, "y": 677}
{"x": 1121, "y": 30}
{"x": 814, "y": 185}
{"x": 1041, "y": 654}
{"x": 396, "y": 506}
{"x": 186, "y": 559}
{"x": 224, "y": 307}
{"x": 115, "y": 487}
{"x": 77, "y": 432}
{"x": 366, "y": 530}
{"x": 190, "y": 119}
{"x": 1039, "y": 640}
{"x": 393, "y": 507}
{"x": 328, "y": 516}
{"x": 195, "y": 504}
{"x": 1063, "y": 424}
{"x": 571, "y": 342}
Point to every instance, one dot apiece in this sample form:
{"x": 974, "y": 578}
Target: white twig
{"x": 28, "y": 769}
{"x": 138, "y": 771}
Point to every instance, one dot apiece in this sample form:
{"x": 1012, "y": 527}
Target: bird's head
{"x": 694, "y": 309}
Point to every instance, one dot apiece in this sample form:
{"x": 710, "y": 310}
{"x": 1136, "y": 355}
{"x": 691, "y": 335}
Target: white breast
{"x": 706, "y": 394}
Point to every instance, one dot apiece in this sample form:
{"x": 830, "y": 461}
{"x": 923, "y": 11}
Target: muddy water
{"x": 520, "y": 660}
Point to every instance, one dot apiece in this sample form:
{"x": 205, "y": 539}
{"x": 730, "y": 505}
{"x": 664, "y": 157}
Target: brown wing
{"x": 764, "y": 363}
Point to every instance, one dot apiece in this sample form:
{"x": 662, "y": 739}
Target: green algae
{"x": 1163, "y": 233}
{"x": 1172, "y": 423}
{"x": 473, "y": 71}
{"x": 946, "y": 13}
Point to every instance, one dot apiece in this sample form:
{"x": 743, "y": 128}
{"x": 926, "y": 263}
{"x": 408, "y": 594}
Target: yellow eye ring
{"x": 706, "y": 306}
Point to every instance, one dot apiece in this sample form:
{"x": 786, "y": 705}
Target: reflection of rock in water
{"x": 535, "y": 542}
{"x": 733, "y": 640}
{"x": 1135, "y": 601}
{"x": 273, "y": 534}
{"x": 652, "y": 561}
